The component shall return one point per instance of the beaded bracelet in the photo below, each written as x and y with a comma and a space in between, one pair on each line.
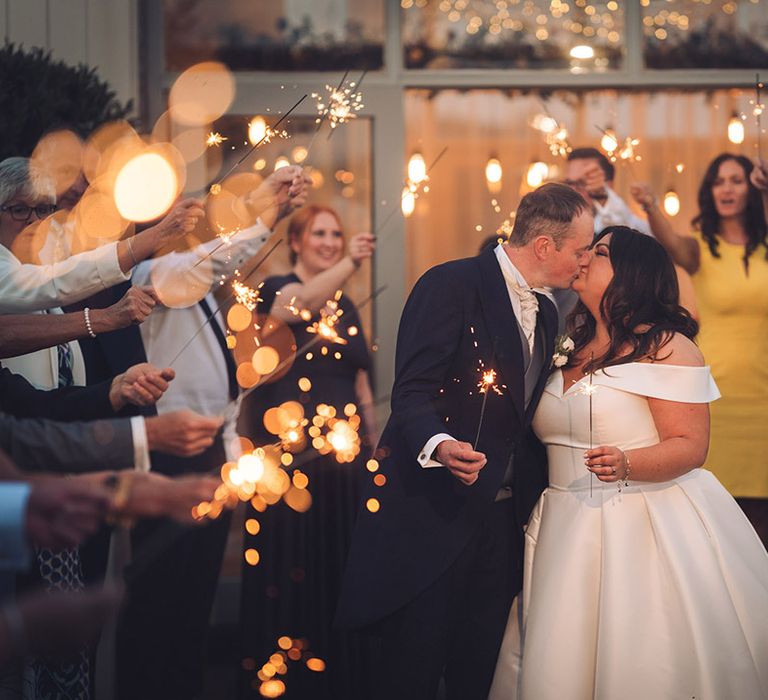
626, 473
88, 326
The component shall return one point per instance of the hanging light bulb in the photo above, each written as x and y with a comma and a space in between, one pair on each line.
408, 202
282, 162
493, 171
536, 174
417, 168
582, 52
257, 130
609, 142
671, 203
736, 129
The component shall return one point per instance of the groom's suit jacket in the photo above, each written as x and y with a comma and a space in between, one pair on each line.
458, 316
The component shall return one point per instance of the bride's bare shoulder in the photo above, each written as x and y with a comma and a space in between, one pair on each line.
679, 350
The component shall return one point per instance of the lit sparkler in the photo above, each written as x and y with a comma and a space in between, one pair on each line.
341, 104
589, 390
486, 385
325, 326
758, 112
214, 138
245, 295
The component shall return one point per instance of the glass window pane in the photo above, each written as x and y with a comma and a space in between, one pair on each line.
280, 35
679, 133
566, 34
712, 34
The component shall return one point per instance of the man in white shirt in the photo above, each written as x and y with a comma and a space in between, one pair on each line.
161, 645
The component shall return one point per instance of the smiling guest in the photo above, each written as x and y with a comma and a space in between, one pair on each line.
728, 261
294, 589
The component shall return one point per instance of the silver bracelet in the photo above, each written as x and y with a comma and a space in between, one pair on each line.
88, 326
17, 635
626, 473
130, 250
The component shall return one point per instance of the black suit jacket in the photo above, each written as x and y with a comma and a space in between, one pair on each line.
38, 445
457, 316
20, 399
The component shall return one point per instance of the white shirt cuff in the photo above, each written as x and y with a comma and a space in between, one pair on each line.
425, 456
141, 461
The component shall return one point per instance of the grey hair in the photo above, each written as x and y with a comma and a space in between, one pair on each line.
19, 177
547, 211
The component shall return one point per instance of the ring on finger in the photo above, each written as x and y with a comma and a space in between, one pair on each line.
613, 470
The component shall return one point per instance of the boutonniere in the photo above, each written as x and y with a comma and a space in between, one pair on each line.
563, 348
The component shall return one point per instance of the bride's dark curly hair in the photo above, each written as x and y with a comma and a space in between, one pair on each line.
643, 294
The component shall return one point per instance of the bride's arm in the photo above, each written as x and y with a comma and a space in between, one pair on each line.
683, 430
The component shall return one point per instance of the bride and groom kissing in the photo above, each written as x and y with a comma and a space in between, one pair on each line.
639, 575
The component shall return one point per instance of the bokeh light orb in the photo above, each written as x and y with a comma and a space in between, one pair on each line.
145, 187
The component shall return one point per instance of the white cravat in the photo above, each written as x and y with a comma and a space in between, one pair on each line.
523, 299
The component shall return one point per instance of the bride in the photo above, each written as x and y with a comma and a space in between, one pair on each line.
643, 579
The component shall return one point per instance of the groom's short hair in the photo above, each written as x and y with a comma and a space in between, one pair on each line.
547, 211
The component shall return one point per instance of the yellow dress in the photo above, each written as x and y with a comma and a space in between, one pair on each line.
733, 312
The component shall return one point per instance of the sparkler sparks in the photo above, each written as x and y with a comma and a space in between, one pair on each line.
617, 150
245, 295
214, 138
340, 105
555, 134
325, 327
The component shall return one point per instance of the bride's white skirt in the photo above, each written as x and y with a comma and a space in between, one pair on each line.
658, 592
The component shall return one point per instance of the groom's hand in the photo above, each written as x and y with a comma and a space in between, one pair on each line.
461, 460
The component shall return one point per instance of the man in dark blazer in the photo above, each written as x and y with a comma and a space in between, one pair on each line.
434, 568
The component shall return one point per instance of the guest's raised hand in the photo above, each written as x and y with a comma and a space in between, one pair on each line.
140, 385
134, 308
607, 463
461, 459
183, 433
179, 221
643, 194
593, 178
759, 175
281, 193
361, 247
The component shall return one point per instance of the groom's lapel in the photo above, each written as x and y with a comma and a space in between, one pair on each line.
502, 327
546, 323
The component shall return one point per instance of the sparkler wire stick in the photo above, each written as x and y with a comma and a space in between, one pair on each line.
228, 298
485, 397
758, 113
590, 392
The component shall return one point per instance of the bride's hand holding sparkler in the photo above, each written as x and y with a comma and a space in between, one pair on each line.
461, 460
607, 463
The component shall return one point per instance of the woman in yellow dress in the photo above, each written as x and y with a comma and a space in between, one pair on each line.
728, 261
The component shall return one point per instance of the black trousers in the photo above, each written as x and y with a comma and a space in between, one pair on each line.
170, 587
454, 628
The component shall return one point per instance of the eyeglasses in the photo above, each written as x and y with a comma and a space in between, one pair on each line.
23, 212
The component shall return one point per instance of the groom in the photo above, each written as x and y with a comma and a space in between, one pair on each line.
435, 569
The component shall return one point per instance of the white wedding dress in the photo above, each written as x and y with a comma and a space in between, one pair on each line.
658, 592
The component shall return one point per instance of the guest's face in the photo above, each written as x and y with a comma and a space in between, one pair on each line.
322, 244
562, 266
18, 214
595, 274
730, 189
